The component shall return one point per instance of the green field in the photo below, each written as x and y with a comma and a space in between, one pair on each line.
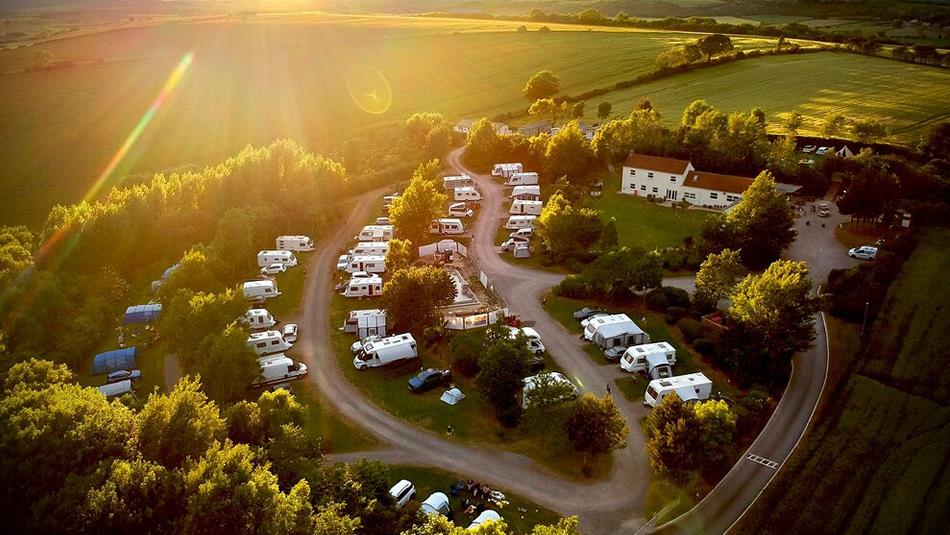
877, 460
907, 98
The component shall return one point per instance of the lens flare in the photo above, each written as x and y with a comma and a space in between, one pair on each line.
369, 89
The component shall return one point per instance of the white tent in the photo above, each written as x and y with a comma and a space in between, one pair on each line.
845, 152
452, 396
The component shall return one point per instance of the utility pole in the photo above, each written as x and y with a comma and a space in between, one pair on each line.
865, 320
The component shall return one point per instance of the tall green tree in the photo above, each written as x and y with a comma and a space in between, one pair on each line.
227, 365
793, 122
717, 277
568, 154
419, 204
595, 425
36, 374
132, 496
16, 244
482, 144
718, 424
400, 254
412, 297
642, 131
869, 131
499, 380
714, 45
674, 437
604, 109
543, 84
179, 425
565, 231
833, 125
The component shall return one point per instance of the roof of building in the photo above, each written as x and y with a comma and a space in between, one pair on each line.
717, 182
656, 163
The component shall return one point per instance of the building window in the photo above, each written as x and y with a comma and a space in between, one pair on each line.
643, 187
656, 190
649, 175
672, 179
687, 195
732, 198
713, 195
633, 172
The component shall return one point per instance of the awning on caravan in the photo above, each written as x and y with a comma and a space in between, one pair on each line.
142, 313
656, 360
687, 393
110, 361
611, 330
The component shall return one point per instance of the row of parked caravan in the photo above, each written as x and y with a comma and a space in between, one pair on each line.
526, 206
623, 341
268, 343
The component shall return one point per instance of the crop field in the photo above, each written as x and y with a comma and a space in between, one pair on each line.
877, 462
315, 78
907, 98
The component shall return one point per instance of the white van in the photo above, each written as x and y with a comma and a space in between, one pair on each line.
370, 248
522, 179
516, 222
259, 290
386, 351
522, 234
446, 226
266, 258
277, 369
519, 207
367, 263
652, 359
466, 194
294, 243
691, 387
375, 233
267, 342
364, 287
534, 339
506, 169
526, 193
457, 181
259, 318
460, 209
389, 199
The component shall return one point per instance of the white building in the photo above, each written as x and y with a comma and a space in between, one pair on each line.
677, 180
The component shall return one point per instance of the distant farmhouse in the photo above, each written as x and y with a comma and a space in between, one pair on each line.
677, 180
463, 126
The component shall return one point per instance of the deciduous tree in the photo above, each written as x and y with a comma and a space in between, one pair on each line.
400, 254
714, 45
604, 109
596, 426
419, 204
543, 84
499, 380
792, 122
568, 154
179, 425
412, 297
564, 230
717, 277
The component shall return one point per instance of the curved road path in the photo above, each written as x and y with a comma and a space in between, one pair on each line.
608, 506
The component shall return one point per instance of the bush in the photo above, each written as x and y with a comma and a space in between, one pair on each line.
670, 319
676, 296
704, 346
466, 348
574, 265
431, 335
655, 299
676, 312
573, 286
690, 328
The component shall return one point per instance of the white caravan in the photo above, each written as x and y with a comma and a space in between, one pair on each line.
259, 318
519, 207
530, 383
457, 181
260, 290
376, 248
266, 258
294, 243
364, 287
446, 226
516, 222
386, 351
691, 387
267, 342
526, 193
506, 169
367, 263
366, 323
466, 194
522, 179
276, 369
375, 233
460, 209
613, 330
652, 359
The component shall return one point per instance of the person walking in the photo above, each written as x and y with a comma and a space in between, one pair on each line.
608, 390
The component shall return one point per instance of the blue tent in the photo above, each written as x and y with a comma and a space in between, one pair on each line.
142, 313
110, 361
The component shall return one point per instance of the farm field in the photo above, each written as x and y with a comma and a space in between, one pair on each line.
877, 460
814, 85
316, 78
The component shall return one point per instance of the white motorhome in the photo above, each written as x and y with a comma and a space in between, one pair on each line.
522, 179
516, 222
266, 258
364, 287
367, 263
613, 330
457, 181
366, 323
446, 226
374, 248
506, 169
294, 243
466, 194
535, 345
375, 233
652, 359
519, 207
530, 383
526, 193
259, 318
460, 209
260, 290
691, 387
267, 342
386, 351
276, 369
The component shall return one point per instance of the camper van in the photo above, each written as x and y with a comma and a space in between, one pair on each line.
375, 233
613, 330
522, 179
516, 222
526, 193
267, 342
364, 287
469, 194
652, 359
294, 243
260, 290
367, 263
386, 351
505, 170
265, 258
519, 207
460, 209
522, 234
446, 226
534, 339
276, 369
259, 318
365, 323
691, 387
457, 181
389, 199
530, 383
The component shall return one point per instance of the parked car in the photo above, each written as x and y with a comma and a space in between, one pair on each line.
290, 332
534, 363
510, 243
823, 150
383, 221
809, 148
273, 269
122, 375
824, 210
807, 161
525, 233
865, 252
428, 379
613, 354
361, 275
402, 492
587, 312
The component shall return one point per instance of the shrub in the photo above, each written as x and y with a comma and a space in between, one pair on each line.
574, 265
655, 299
676, 296
676, 312
431, 335
466, 347
690, 328
670, 319
704, 346
573, 286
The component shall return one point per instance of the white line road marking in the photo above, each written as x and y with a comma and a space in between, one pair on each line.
762, 460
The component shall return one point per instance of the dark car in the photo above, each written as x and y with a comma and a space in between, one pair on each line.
614, 353
587, 312
428, 379
534, 363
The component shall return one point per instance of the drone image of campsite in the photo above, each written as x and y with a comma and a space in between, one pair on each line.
487, 267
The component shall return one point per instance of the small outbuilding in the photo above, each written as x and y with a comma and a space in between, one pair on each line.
142, 313
111, 361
